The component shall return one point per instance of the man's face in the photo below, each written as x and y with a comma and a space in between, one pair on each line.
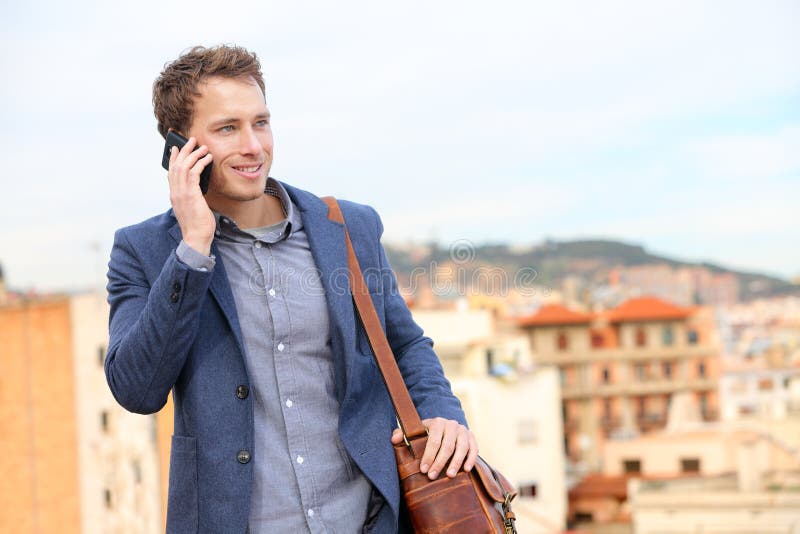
231, 118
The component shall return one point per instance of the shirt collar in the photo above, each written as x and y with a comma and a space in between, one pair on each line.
228, 229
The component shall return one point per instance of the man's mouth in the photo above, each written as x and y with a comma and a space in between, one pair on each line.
249, 172
248, 169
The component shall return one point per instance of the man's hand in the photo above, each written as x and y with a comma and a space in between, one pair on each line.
447, 440
194, 216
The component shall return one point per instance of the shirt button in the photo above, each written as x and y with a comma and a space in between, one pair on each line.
272, 292
217, 232
289, 403
242, 391
300, 460
281, 346
174, 297
310, 512
243, 456
258, 244
176, 286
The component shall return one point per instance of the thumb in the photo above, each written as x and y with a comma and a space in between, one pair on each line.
397, 436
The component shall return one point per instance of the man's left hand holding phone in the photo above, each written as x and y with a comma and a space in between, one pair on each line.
187, 163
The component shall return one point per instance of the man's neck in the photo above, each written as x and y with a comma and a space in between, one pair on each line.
263, 211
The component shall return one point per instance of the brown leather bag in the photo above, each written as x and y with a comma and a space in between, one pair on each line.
474, 502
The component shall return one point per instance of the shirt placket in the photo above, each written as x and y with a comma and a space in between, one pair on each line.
285, 371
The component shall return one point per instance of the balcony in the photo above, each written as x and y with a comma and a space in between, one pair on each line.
634, 388
651, 421
587, 355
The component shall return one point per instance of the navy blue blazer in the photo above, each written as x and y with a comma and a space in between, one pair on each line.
174, 328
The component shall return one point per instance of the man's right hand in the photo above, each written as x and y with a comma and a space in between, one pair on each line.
194, 216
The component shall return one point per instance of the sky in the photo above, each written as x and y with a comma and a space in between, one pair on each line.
674, 125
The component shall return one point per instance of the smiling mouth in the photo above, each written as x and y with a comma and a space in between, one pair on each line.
249, 169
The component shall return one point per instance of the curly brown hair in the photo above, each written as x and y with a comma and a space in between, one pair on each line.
177, 85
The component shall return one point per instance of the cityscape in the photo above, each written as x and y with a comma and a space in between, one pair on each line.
589, 207
654, 400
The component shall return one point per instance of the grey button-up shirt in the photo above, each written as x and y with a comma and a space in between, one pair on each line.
304, 479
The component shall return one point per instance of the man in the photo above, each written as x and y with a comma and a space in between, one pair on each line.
237, 301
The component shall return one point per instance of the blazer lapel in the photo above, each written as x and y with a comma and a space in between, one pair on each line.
220, 288
327, 242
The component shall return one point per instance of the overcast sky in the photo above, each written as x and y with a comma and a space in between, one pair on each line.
675, 125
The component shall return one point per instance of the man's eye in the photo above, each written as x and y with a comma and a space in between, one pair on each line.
228, 128
262, 123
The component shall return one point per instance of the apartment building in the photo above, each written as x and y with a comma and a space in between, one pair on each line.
512, 407
71, 459
619, 368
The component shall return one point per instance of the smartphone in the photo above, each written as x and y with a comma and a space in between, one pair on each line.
176, 139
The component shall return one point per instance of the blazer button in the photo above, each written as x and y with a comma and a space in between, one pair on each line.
174, 297
176, 286
243, 456
242, 391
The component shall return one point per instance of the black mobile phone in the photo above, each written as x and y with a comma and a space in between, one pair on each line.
176, 139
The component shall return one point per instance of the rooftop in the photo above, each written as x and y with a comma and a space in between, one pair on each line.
555, 314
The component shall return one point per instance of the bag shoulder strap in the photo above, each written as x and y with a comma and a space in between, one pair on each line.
407, 414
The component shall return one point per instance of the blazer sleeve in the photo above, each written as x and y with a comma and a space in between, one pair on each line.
151, 325
418, 363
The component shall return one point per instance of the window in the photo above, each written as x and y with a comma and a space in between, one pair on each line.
640, 406
562, 341
137, 471
701, 370
632, 466
668, 370
489, 360
692, 337
703, 400
107, 497
765, 384
666, 336
641, 337
690, 465
640, 371
606, 375
104, 420
607, 408
527, 490
597, 340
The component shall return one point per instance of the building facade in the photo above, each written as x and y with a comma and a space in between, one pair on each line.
619, 369
72, 459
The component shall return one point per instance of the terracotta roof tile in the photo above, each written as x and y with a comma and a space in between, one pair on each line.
647, 309
554, 314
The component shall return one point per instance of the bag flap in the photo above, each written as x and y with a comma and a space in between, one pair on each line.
495, 484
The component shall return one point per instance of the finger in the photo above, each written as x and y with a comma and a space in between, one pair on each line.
435, 433
173, 155
462, 448
472, 457
445, 450
397, 436
189, 161
188, 147
198, 167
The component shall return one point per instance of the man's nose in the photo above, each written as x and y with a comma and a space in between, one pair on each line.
249, 142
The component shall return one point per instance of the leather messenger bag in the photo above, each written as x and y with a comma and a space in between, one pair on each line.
474, 502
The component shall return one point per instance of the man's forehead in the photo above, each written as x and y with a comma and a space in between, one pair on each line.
220, 95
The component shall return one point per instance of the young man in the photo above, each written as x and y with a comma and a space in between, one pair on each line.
237, 301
